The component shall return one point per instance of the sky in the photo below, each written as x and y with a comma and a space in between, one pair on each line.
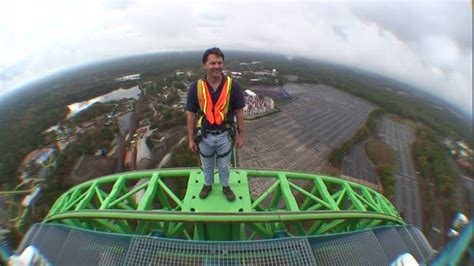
425, 43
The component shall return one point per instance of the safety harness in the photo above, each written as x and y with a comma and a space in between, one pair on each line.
217, 113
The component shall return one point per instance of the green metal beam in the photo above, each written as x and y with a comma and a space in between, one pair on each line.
265, 194
309, 195
275, 199
457, 248
325, 193
308, 201
88, 196
170, 193
15, 192
128, 194
290, 201
149, 194
340, 205
353, 197
222, 217
113, 194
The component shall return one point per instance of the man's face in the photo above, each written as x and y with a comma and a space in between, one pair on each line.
214, 66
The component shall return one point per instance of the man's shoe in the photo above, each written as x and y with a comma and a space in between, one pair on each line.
228, 193
205, 191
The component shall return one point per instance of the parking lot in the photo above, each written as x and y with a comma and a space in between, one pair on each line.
302, 135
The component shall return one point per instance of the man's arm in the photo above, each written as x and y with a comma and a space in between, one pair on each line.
239, 115
191, 122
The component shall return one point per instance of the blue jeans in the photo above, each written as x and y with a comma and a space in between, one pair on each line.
216, 145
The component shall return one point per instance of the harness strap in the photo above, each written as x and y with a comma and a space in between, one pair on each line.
232, 136
226, 153
217, 155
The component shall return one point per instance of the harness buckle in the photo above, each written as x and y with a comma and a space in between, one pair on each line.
200, 135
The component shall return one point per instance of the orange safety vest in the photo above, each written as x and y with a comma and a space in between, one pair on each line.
215, 114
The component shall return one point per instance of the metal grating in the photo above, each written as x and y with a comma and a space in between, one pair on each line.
391, 242
29, 237
354, 249
421, 241
410, 243
53, 242
63, 245
86, 248
149, 251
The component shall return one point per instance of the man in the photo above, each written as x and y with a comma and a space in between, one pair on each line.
211, 106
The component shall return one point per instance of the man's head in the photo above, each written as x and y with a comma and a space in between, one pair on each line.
215, 51
213, 62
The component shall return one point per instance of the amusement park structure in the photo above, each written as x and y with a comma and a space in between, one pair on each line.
157, 217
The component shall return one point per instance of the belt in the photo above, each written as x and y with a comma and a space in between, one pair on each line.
216, 132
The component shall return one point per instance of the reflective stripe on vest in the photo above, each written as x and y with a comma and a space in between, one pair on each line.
215, 114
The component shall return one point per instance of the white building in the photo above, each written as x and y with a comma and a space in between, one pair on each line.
251, 93
236, 74
129, 77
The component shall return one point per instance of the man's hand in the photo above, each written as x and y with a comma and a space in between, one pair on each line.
239, 141
192, 146
191, 123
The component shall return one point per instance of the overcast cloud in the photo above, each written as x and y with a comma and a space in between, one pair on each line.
425, 43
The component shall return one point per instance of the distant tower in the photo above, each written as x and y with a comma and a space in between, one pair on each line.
274, 73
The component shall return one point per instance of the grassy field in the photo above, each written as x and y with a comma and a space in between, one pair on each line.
380, 153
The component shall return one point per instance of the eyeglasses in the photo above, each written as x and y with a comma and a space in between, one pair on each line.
213, 50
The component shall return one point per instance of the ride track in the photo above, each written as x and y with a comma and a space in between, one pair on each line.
296, 204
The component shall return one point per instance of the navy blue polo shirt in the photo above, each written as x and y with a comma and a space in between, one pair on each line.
236, 101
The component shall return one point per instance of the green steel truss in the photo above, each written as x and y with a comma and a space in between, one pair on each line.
268, 204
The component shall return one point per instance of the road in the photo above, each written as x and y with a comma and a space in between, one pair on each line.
407, 197
120, 153
468, 183
355, 164
126, 122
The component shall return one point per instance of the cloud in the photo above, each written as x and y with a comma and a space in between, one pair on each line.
425, 43
411, 20
117, 4
439, 33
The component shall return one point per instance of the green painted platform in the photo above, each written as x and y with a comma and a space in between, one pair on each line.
216, 201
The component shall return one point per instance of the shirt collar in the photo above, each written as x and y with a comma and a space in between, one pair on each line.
220, 85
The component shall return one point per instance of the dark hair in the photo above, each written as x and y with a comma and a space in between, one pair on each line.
214, 51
